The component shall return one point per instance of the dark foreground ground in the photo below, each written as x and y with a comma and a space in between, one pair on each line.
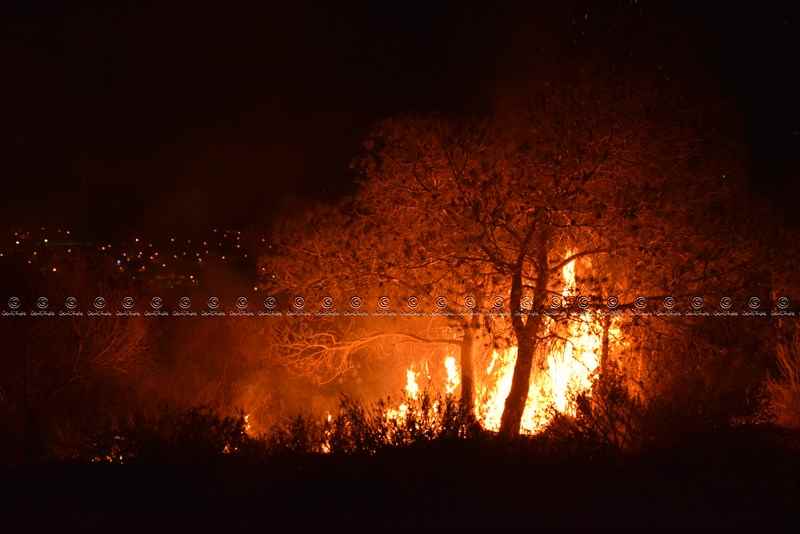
748, 477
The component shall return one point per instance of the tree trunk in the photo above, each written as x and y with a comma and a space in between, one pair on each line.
527, 332
520, 384
471, 327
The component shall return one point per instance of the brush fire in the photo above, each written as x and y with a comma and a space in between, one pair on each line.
570, 368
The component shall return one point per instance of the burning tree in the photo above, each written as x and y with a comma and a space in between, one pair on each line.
581, 170
488, 214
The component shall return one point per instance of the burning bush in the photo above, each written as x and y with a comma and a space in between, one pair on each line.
357, 428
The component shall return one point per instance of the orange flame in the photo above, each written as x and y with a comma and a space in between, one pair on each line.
570, 369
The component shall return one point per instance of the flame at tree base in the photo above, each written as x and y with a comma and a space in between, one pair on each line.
570, 369
565, 376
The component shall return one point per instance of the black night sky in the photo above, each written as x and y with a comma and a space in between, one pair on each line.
184, 116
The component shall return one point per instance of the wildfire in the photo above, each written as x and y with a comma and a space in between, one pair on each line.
569, 370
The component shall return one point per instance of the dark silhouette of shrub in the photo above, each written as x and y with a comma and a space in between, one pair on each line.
194, 435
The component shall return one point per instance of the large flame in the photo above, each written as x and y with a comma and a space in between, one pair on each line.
453, 379
412, 388
411, 392
569, 370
